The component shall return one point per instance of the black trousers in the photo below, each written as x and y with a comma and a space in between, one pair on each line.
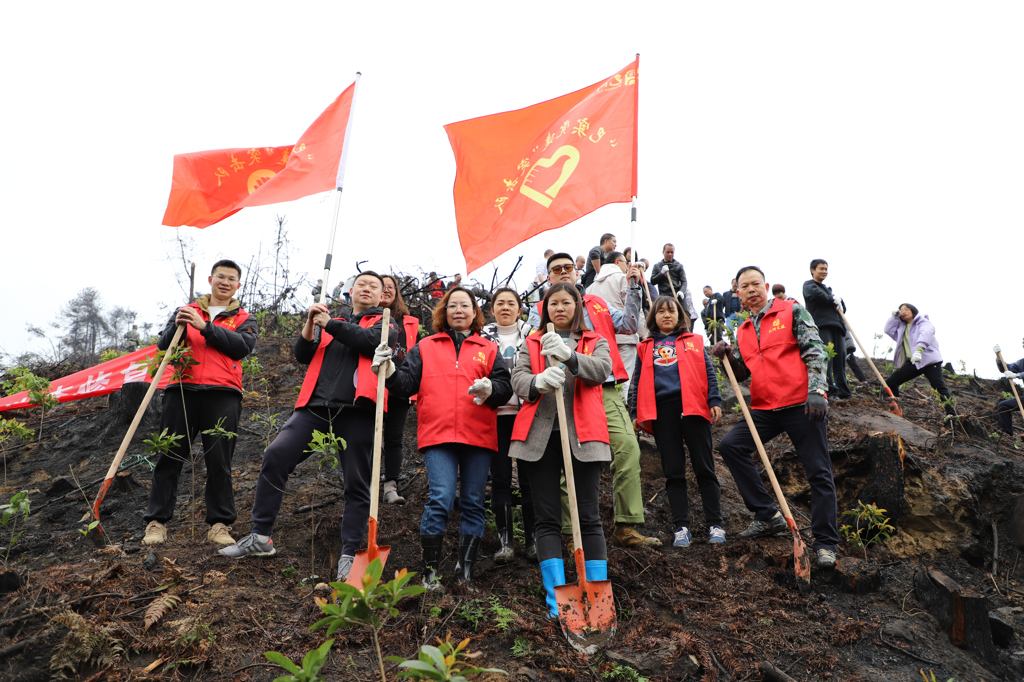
1004, 414
837, 365
674, 435
200, 410
811, 443
932, 372
501, 466
545, 481
355, 425
851, 362
394, 427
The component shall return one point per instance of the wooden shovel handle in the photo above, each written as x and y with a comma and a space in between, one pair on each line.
1013, 387
865, 353
378, 430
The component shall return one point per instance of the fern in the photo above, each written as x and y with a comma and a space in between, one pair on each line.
159, 608
84, 644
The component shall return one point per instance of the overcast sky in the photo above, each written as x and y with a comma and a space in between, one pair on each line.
883, 137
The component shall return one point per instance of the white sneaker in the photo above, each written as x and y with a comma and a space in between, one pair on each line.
682, 537
716, 535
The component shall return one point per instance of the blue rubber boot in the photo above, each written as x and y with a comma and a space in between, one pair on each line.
552, 572
597, 569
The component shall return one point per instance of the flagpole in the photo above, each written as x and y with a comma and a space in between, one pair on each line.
636, 126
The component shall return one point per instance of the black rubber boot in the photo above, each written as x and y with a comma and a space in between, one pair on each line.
503, 520
431, 545
469, 546
529, 538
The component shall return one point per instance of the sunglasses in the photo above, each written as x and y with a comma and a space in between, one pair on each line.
561, 269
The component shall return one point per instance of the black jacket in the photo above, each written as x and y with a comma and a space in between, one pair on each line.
662, 271
819, 303
714, 312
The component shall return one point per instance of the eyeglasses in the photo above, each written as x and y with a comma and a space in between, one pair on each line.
389, 288
459, 306
561, 269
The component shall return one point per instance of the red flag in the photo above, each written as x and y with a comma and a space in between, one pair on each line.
102, 379
207, 187
527, 171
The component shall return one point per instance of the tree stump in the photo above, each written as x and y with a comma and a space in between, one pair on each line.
854, 576
886, 484
962, 613
125, 403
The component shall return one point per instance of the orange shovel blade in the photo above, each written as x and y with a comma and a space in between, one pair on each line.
587, 614
801, 559
362, 560
894, 407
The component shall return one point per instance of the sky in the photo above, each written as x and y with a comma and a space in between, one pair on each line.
882, 137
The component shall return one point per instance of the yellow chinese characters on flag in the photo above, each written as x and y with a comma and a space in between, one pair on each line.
524, 172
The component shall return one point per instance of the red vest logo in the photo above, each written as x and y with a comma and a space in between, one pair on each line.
480, 357
691, 347
598, 308
228, 322
776, 326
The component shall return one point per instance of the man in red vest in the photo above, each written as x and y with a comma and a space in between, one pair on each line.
627, 498
778, 347
219, 334
338, 395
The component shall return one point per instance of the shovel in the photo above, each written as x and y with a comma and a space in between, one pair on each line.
372, 551
894, 406
105, 486
801, 560
585, 610
1013, 387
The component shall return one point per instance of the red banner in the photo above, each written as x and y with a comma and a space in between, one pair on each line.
527, 171
99, 380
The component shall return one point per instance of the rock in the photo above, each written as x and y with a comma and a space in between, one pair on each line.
880, 421
1002, 630
10, 581
60, 486
729, 398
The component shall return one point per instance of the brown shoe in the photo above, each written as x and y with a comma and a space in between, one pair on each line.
219, 534
156, 533
625, 535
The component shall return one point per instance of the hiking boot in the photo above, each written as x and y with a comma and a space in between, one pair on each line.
760, 529
682, 537
503, 522
219, 534
625, 535
826, 558
156, 533
391, 495
431, 545
250, 545
529, 532
469, 546
716, 535
345, 567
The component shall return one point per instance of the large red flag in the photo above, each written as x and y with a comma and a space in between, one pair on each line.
209, 186
527, 171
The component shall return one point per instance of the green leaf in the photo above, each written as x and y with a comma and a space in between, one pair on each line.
283, 661
425, 669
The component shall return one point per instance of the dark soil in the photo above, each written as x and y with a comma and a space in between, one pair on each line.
700, 613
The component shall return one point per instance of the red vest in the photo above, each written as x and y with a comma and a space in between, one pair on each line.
366, 380
445, 412
693, 379
597, 310
587, 400
778, 375
412, 332
214, 368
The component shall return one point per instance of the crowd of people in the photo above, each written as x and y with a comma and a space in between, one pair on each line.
617, 345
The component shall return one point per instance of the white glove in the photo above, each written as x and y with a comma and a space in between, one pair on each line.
837, 299
480, 390
1010, 375
916, 357
382, 357
1019, 382
997, 349
895, 313
552, 345
550, 379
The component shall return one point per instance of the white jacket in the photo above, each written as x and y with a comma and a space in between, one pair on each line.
611, 285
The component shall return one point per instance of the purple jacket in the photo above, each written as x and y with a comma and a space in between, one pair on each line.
922, 333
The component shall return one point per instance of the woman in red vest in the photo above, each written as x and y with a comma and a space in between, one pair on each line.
461, 382
398, 406
580, 362
675, 396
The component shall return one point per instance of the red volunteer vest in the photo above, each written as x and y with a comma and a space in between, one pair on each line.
214, 368
693, 379
597, 310
412, 330
366, 380
588, 401
778, 375
445, 412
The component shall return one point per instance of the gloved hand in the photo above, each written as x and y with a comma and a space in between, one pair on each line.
553, 346
1010, 375
895, 313
916, 357
997, 349
480, 390
816, 408
382, 357
550, 379
838, 301
721, 349
1019, 382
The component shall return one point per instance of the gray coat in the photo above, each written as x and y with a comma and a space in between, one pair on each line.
593, 369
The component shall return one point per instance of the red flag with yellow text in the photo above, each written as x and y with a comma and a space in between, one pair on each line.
207, 187
524, 172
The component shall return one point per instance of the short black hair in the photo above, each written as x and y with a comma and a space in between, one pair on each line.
816, 262
912, 308
668, 244
748, 267
369, 273
612, 257
778, 289
556, 256
225, 263
606, 236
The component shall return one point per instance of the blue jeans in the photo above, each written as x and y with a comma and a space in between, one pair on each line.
446, 463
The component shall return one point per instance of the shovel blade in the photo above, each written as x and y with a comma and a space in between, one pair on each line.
587, 614
801, 565
362, 560
895, 408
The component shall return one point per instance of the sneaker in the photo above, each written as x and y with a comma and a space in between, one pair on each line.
391, 495
716, 535
345, 567
625, 535
826, 558
683, 537
220, 534
760, 529
250, 545
156, 533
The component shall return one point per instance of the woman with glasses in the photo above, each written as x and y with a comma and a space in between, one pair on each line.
398, 406
461, 383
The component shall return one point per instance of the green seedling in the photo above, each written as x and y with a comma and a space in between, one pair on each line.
19, 506
870, 526
521, 647
504, 617
471, 612
446, 661
38, 390
311, 664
